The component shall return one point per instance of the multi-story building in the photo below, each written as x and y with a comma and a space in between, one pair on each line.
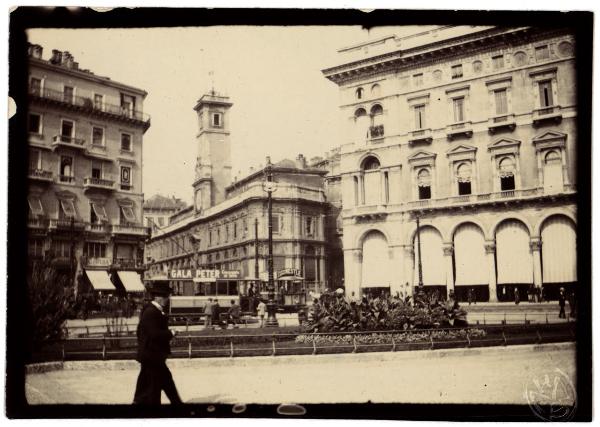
472, 131
85, 171
158, 209
227, 229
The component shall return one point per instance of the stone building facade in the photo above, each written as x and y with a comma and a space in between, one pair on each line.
472, 130
159, 209
85, 135
226, 229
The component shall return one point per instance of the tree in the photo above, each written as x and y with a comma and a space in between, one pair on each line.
51, 302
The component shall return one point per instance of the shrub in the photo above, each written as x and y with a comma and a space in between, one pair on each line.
333, 314
51, 302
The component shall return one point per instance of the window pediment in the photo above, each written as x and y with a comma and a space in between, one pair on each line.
504, 145
462, 152
422, 155
549, 140
125, 202
418, 99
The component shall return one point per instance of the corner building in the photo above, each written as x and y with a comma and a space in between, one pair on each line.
227, 227
85, 195
472, 130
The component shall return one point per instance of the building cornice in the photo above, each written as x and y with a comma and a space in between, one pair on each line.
420, 56
86, 76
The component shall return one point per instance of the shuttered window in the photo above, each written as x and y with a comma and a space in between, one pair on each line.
469, 256
434, 272
559, 251
513, 257
376, 266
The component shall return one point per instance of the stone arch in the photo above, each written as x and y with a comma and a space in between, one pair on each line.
516, 217
453, 228
359, 112
412, 232
364, 157
360, 237
559, 212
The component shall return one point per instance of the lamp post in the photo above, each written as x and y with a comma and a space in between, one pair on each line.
269, 187
420, 265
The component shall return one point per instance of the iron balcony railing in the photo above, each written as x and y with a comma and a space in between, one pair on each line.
97, 228
40, 174
37, 222
131, 229
98, 182
65, 224
66, 179
68, 140
123, 344
88, 104
376, 131
128, 263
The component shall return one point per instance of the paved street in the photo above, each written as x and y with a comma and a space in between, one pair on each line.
486, 375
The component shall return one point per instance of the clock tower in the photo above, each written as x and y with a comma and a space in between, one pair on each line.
213, 162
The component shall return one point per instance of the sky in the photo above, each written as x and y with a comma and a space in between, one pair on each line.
283, 106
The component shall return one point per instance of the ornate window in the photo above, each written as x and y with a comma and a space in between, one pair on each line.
506, 172
424, 184
359, 93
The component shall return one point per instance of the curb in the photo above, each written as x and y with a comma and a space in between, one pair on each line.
116, 365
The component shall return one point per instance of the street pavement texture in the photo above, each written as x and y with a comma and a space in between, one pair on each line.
485, 375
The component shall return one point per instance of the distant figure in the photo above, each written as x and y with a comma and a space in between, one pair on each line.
208, 313
154, 338
470, 295
504, 297
261, 309
562, 298
572, 305
233, 315
216, 313
517, 296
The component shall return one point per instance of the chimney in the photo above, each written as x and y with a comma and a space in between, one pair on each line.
56, 58
67, 59
35, 51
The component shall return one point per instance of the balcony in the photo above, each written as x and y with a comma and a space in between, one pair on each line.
459, 129
96, 261
420, 136
40, 175
65, 224
128, 264
101, 228
80, 103
547, 114
98, 184
505, 121
37, 223
369, 213
131, 229
68, 141
376, 132
66, 179
478, 199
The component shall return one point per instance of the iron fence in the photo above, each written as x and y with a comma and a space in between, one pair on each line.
310, 343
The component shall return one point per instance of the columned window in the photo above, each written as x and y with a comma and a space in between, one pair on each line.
463, 178
361, 125
372, 181
424, 184
506, 172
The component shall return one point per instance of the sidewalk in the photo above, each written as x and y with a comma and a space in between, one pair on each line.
484, 375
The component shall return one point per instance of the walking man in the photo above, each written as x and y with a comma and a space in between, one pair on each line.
561, 302
154, 338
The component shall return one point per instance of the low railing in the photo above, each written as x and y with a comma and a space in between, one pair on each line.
69, 140
376, 131
65, 223
130, 229
547, 110
125, 263
420, 135
97, 228
98, 182
307, 343
40, 174
66, 179
88, 104
37, 222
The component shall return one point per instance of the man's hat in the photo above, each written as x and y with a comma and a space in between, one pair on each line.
160, 288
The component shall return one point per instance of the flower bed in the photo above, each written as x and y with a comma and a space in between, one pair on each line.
388, 338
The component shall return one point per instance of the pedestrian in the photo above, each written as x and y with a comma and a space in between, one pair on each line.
504, 298
154, 336
517, 296
261, 309
572, 305
208, 312
561, 302
233, 315
216, 313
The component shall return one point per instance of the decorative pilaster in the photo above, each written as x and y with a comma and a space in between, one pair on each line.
535, 245
490, 249
448, 249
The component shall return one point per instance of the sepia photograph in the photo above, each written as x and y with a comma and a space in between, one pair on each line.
299, 213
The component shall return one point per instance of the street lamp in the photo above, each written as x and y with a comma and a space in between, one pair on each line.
269, 187
420, 265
